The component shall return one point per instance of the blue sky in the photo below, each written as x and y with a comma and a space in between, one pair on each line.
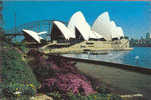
133, 16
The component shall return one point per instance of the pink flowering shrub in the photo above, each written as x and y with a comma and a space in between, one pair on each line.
58, 73
60, 64
69, 83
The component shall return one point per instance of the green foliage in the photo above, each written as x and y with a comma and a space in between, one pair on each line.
71, 96
96, 96
102, 90
17, 77
21, 46
24, 97
56, 95
24, 48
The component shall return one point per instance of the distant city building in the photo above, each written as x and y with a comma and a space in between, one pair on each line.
142, 42
142, 37
148, 35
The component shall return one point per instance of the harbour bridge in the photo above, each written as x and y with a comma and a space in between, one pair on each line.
37, 26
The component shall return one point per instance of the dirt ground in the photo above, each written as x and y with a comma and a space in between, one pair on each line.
122, 81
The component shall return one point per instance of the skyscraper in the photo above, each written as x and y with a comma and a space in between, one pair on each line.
148, 35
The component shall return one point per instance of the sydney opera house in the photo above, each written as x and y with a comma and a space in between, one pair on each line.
78, 35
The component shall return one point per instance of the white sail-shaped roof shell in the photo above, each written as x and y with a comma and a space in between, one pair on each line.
65, 31
33, 34
92, 35
102, 26
120, 32
78, 21
113, 30
116, 32
95, 35
44, 32
107, 28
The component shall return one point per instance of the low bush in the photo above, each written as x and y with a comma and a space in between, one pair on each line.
17, 77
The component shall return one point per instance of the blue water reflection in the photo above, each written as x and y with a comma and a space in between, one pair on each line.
139, 56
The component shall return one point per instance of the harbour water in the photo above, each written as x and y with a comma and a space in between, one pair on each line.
139, 56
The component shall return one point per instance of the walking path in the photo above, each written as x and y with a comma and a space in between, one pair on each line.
122, 81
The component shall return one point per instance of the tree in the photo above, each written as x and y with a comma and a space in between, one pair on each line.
1, 32
1, 22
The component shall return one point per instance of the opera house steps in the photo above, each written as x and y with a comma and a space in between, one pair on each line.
91, 47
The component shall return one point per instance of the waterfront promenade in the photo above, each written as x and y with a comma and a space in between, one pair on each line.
121, 81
